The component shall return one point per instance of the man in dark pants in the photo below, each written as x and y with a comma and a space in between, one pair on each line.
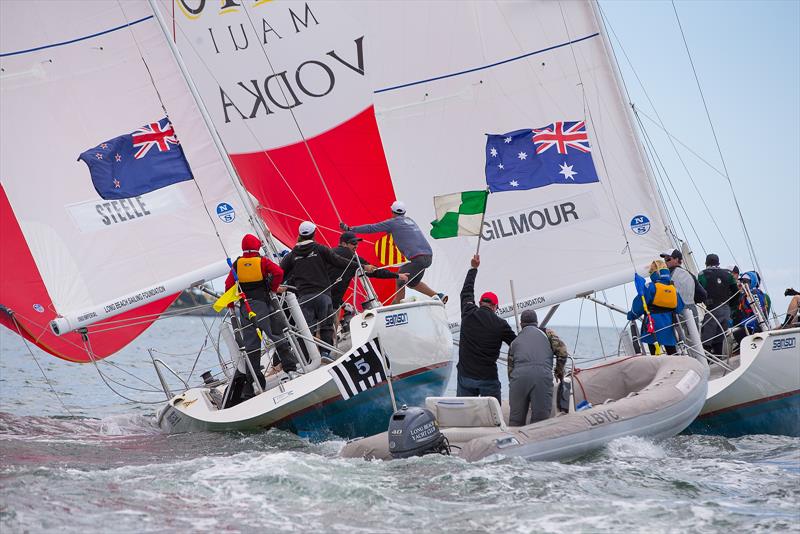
340, 278
530, 370
307, 265
720, 288
482, 334
257, 276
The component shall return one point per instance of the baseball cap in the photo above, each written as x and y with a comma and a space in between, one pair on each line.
398, 207
307, 228
674, 254
349, 237
712, 259
490, 298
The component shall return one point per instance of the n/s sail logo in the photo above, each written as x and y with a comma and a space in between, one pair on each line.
640, 224
386, 251
225, 212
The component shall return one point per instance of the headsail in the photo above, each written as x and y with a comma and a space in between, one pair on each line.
288, 85
73, 76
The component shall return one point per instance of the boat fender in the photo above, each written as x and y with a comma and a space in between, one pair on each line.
414, 431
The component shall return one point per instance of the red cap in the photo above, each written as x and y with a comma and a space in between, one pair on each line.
251, 242
489, 297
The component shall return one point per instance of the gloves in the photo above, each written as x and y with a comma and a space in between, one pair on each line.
344, 227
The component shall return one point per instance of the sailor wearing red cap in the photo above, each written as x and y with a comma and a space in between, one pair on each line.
257, 276
482, 334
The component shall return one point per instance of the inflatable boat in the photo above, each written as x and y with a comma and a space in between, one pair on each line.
652, 397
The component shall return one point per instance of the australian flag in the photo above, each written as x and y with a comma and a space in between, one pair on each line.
556, 154
136, 163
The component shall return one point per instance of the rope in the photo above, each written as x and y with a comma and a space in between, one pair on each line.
750, 248
294, 117
44, 375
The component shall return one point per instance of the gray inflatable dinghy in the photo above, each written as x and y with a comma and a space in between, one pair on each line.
652, 397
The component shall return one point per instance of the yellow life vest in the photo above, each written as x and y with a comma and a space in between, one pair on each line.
666, 296
249, 269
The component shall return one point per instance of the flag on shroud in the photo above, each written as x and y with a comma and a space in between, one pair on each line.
364, 368
230, 296
458, 214
139, 162
524, 159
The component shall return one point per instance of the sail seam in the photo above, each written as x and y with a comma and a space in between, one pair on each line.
77, 39
484, 67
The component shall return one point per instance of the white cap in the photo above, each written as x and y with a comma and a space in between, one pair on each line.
307, 228
399, 207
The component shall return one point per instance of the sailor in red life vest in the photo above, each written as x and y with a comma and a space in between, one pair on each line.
257, 277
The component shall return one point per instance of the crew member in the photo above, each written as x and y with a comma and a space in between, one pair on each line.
663, 302
750, 323
721, 289
258, 276
530, 370
307, 264
340, 278
482, 334
412, 244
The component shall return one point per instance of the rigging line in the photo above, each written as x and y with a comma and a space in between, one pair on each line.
658, 165
587, 108
294, 118
618, 75
142, 380
684, 145
261, 146
672, 143
166, 114
597, 323
44, 375
578, 333
751, 249
88, 347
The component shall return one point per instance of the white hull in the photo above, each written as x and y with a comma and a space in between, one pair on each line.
414, 337
761, 394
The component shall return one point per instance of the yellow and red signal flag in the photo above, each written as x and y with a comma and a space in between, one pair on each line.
387, 252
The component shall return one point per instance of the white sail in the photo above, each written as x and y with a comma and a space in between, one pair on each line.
496, 67
75, 82
442, 75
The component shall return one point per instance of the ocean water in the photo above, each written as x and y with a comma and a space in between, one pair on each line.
98, 463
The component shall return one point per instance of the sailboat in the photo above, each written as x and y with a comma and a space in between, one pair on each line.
318, 86
84, 275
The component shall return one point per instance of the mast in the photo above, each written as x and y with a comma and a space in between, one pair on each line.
261, 229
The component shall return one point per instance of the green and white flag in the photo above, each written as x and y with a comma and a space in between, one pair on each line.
459, 214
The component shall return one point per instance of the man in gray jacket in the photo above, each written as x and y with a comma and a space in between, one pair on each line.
411, 242
530, 370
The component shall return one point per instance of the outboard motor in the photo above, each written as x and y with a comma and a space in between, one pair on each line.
414, 432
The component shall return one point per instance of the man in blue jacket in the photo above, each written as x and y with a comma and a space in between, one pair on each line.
412, 244
663, 303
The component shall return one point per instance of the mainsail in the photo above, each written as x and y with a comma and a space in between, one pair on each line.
75, 74
350, 104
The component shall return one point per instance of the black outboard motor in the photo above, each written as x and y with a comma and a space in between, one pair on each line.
414, 432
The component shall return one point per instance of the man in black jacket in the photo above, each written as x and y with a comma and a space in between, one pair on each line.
307, 265
721, 288
340, 278
482, 334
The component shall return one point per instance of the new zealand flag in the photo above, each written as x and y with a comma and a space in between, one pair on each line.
136, 163
556, 154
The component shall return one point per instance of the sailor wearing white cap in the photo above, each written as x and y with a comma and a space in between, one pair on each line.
306, 268
411, 242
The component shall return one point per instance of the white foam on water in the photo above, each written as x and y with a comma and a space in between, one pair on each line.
635, 447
